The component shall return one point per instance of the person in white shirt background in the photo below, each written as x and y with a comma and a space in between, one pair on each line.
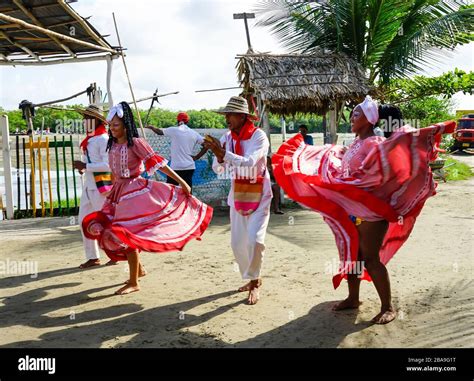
183, 141
95, 158
242, 154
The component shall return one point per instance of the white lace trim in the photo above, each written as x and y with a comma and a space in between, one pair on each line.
124, 171
137, 193
157, 166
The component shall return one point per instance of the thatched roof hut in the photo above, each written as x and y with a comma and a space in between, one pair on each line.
302, 83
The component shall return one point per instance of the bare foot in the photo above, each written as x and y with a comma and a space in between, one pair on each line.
90, 263
254, 296
127, 289
254, 291
347, 304
385, 316
245, 288
248, 286
111, 263
141, 273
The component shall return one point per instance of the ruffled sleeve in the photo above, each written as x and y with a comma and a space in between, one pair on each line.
152, 160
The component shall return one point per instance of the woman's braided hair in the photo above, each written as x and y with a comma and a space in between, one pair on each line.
130, 127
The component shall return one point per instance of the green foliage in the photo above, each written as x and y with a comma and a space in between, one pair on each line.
447, 84
197, 119
390, 38
53, 119
426, 111
457, 170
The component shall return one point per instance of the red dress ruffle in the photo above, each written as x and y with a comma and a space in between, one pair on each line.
392, 183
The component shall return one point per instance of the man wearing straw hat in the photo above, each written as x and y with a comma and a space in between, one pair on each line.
96, 174
241, 154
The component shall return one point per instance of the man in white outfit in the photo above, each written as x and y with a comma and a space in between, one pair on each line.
183, 141
242, 154
95, 158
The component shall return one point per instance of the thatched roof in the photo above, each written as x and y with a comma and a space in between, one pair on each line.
47, 31
302, 83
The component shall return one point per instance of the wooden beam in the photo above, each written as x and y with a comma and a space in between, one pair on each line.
71, 22
55, 34
56, 61
24, 48
4, 57
82, 22
8, 26
39, 39
37, 22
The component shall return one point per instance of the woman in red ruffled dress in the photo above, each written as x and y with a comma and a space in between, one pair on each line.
141, 214
370, 195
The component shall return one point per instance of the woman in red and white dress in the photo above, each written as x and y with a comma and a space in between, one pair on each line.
370, 195
141, 214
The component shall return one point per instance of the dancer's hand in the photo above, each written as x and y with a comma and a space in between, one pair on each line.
215, 146
186, 189
96, 228
79, 165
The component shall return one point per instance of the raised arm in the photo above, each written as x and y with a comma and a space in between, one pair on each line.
156, 130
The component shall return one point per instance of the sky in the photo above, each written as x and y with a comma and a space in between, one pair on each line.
172, 45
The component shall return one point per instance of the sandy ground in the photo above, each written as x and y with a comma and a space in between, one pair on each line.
188, 298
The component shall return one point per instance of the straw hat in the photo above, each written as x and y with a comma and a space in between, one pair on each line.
92, 111
237, 105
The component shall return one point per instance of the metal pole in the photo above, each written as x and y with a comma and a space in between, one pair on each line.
245, 16
247, 31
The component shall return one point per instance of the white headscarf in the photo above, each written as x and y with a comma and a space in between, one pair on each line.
116, 110
370, 109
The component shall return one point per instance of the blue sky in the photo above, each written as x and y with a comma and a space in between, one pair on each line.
179, 45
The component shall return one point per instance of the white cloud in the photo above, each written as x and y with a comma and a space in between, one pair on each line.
175, 45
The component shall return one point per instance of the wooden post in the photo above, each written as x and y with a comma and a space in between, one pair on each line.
7, 165
110, 63
283, 129
333, 124
266, 128
29, 120
40, 170
50, 188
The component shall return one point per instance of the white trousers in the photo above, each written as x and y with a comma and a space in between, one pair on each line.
91, 201
247, 240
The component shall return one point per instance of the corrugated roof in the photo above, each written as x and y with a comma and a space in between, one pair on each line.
20, 43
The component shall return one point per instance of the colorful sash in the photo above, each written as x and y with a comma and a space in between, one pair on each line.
247, 192
103, 180
247, 195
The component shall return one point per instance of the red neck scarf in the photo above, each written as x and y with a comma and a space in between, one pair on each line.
246, 133
98, 131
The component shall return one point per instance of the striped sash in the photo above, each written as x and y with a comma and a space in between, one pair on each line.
247, 195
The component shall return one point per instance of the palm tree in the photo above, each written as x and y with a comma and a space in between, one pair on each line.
389, 38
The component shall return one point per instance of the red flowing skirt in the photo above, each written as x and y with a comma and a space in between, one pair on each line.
393, 183
146, 215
